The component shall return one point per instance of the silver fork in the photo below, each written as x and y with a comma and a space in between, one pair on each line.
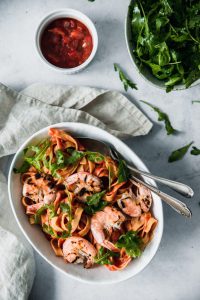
177, 205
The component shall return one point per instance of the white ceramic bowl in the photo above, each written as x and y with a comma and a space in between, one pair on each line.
66, 13
34, 234
145, 72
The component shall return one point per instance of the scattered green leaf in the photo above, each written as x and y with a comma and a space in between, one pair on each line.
39, 212
179, 153
131, 242
95, 203
126, 82
103, 256
162, 117
23, 169
195, 151
95, 157
48, 230
195, 101
123, 171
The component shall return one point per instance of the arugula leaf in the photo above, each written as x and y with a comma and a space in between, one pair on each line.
60, 158
95, 157
162, 117
95, 203
179, 153
39, 212
95, 198
103, 255
67, 208
123, 171
36, 158
195, 101
195, 151
52, 211
126, 82
74, 158
23, 169
49, 230
131, 242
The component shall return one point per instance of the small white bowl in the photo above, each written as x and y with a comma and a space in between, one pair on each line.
66, 13
145, 72
37, 239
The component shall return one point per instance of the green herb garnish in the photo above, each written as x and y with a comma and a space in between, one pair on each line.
95, 157
103, 255
95, 203
23, 169
162, 117
126, 82
39, 212
179, 153
195, 101
67, 208
49, 230
131, 242
195, 151
123, 171
166, 41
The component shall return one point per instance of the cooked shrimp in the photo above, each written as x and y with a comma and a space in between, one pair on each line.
79, 250
133, 204
128, 204
39, 188
83, 184
107, 219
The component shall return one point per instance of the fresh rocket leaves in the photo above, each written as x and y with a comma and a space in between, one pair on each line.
95, 203
126, 82
95, 157
67, 208
179, 153
123, 171
38, 154
195, 151
48, 230
165, 37
39, 212
195, 101
162, 117
23, 168
131, 242
103, 256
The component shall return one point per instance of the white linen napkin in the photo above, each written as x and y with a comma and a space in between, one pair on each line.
21, 115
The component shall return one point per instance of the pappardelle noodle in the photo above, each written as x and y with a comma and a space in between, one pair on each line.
85, 203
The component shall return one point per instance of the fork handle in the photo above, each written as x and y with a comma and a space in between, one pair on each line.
179, 187
176, 204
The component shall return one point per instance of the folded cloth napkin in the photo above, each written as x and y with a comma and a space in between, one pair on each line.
21, 115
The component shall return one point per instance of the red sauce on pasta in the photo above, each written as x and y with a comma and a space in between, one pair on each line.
66, 43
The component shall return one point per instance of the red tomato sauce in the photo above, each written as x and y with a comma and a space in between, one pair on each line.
66, 43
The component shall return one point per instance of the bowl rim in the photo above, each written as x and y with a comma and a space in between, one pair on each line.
160, 84
85, 280
66, 12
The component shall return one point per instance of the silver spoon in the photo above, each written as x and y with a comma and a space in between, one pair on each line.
176, 204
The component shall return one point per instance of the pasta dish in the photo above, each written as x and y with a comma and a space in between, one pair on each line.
86, 204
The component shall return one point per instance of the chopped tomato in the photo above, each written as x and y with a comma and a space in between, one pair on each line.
66, 43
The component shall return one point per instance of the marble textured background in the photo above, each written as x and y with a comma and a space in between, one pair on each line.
174, 274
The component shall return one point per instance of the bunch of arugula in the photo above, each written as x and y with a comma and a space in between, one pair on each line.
165, 35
